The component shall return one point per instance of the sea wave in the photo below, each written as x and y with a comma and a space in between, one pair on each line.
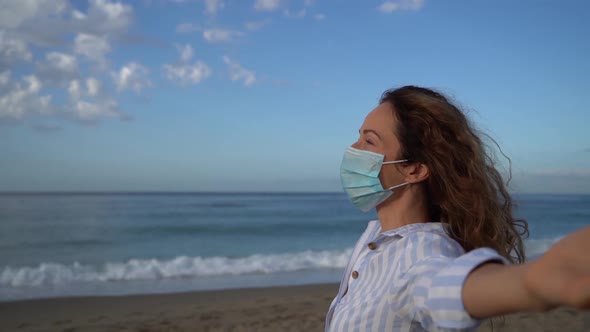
179, 267
51, 273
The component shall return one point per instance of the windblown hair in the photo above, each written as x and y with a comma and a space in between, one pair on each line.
464, 188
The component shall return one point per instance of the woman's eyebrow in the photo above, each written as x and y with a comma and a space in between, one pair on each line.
370, 131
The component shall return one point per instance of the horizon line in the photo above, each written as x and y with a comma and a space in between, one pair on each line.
219, 192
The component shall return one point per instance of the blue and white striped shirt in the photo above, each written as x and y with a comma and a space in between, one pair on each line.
406, 279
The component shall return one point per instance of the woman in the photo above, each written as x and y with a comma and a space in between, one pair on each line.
439, 257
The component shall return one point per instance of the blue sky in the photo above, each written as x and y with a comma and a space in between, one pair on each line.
264, 95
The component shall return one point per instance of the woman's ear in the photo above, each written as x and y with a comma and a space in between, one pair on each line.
416, 172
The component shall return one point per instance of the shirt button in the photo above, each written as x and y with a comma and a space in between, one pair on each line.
355, 274
372, 246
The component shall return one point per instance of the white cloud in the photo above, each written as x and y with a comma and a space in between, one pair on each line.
185, 72
188, 74
267, 5
213, 6
22, 99
253, 26
187, 27
74, 90
58, 69
308, 2
112, 10
12, 50
34, 83
23, 18
16, 12
78, 15
92, 112
388, 7
391, 6
86, 101
238, 73
186, 52
132, 76
298, 14
49, 23
319, 17
62, 62
93, 86
109, 16
89, 105
4, 78
93, 47
220, 35
48, 27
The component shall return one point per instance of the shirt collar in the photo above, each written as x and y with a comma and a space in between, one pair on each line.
408, 229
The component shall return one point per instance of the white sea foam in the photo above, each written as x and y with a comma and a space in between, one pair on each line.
179, 267
193, 267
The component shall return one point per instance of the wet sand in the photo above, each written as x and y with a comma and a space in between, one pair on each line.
297, 308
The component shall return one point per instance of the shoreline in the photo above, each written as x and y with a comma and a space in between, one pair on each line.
290, 308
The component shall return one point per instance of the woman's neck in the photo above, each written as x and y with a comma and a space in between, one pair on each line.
404, 207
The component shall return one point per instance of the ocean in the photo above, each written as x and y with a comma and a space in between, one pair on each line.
72, 244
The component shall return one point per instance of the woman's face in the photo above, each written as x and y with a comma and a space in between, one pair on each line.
377, 134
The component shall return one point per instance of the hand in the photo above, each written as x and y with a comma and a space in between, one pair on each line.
562, 275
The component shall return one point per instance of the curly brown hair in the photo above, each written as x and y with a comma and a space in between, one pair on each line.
464, 189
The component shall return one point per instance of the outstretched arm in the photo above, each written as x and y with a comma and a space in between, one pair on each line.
560, 277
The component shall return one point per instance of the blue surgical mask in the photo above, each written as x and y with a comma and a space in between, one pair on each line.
359, 174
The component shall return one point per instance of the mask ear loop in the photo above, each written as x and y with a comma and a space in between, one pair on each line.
397, 186
396, 162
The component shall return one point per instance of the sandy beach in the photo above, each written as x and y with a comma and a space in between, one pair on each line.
298, 308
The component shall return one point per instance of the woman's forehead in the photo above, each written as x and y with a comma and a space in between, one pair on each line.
380, 119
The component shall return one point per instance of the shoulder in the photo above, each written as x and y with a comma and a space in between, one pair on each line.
434, 251
426, 246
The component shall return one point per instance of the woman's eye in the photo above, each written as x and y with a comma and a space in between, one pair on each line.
368, 141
